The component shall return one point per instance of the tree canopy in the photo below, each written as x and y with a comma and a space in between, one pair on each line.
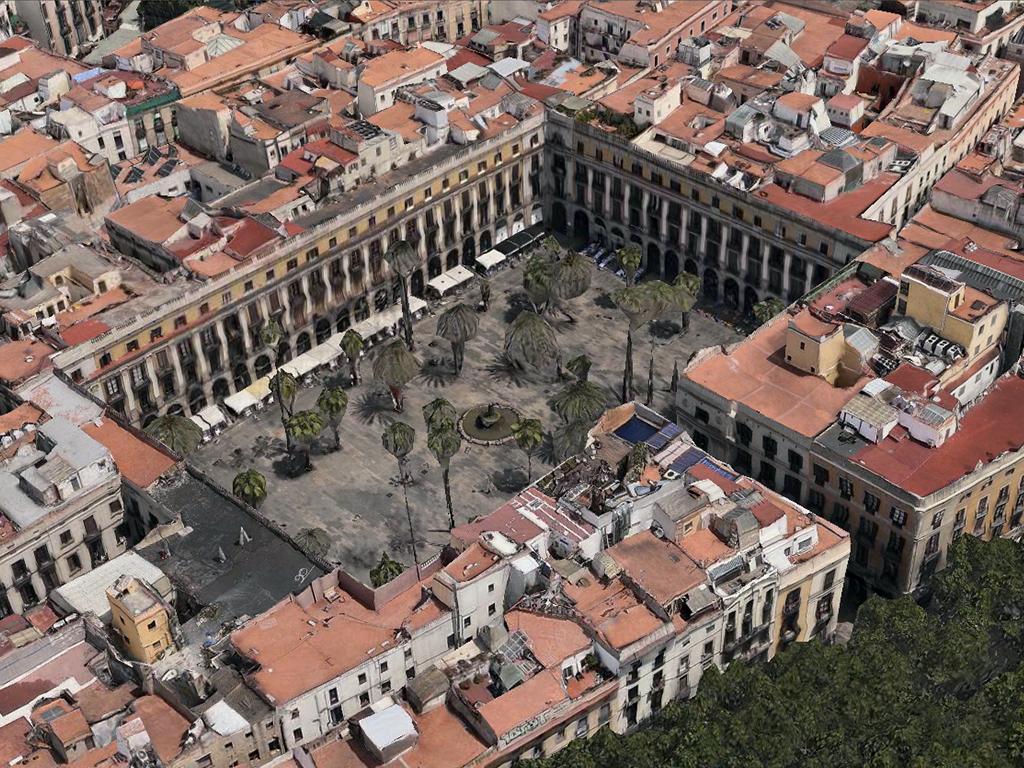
935, 686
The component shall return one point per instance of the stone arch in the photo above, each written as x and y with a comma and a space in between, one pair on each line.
149, 418
731, 292
196, 400
691, 267
558, 218
434, 266
322, 328
537, 214
469, 252
653, 265
221, 389
485, 241
618, 239
581, 225
284, 352
452, 260
262, 366
241, 377
362, 309
416, 284
176, 410
671, 270
749, 300
303, 343
710, 284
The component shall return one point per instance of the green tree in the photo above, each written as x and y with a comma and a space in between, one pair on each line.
485, 294
767, 309
250, 486
395, 366
569, 439
529, 435
635, 303
579, 367
386, 570
179, 433
579, 402
270, 336
352, 346
439, 413
333, 403
571, 279
530, 342
630, 257
458, 325
398, 439
304, 427
402, 259
444, 442
316, 541
285, 388
538, 277
688, 289
153, 13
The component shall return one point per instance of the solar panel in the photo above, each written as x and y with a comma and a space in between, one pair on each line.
717, 469
687, 460
134, 176
172, 151
152, 156
115, 171
167, 168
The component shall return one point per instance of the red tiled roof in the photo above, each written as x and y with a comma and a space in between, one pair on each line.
136, 459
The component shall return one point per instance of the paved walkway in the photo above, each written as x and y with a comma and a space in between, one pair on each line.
353, 494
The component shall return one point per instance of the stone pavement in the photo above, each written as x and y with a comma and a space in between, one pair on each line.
353, 494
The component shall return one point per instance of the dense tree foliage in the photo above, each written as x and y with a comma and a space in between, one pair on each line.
935, 686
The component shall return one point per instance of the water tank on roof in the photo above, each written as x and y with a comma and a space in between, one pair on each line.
498, 543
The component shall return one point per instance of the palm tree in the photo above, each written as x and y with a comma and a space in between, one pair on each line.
403, 260
635, 304
530, 342
458, 325
767, 309
386, 570
688, 288
538, 278
485, 294
352, 345
630, 257
580, 402
178, 433
316, 541
333, 402
270, 335
395, 366
528, 434
285, 388
571, 280
250, 486
444, 442
398, 440
579, 367
305, 427
569, 440
439, 412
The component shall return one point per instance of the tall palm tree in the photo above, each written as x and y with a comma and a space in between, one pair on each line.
395, 366
305, 427
398, 440
530, 342
579, 367
352, 345
333, 402
439, 412
458, 325
635, 303
688, 288
579, 402
538, 278
402, 259
250, 486
630, 257
270, 335
179, 433
570, 439
528, 434
572, 278
285, 387
385, 570
767, 309
444, 442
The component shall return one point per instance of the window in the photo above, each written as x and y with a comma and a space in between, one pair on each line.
490, 588
466, 622
269, 275
871, 502
248, 286
362, 678
898, 516
845, 488
292, 264
936, 520
771, 447
155, 334
492, 609
179, 321
65, 538
385, 687
701, 415
820, 474
297, 734
74, 563
133, 345
840, 513
830, 579
364, 699
383, 667
796, 461
204, 308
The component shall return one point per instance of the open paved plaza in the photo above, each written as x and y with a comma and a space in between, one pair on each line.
353, 494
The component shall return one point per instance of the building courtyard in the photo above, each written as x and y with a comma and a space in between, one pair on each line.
353, 498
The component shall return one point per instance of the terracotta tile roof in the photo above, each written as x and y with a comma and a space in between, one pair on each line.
613, 611
989, 429
136, 459
24, 413
755, 374
23, 146
527, 700
506, 520
660, 567
166, 728
847, 47
22, 359
472, 563
552, 640
705, 547
396, 65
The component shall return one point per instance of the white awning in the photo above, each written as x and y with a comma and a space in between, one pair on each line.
259, 389
200, 423
213, 416
450, 280
324, 353
239, 402
490, 259
389, 317
301, 365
